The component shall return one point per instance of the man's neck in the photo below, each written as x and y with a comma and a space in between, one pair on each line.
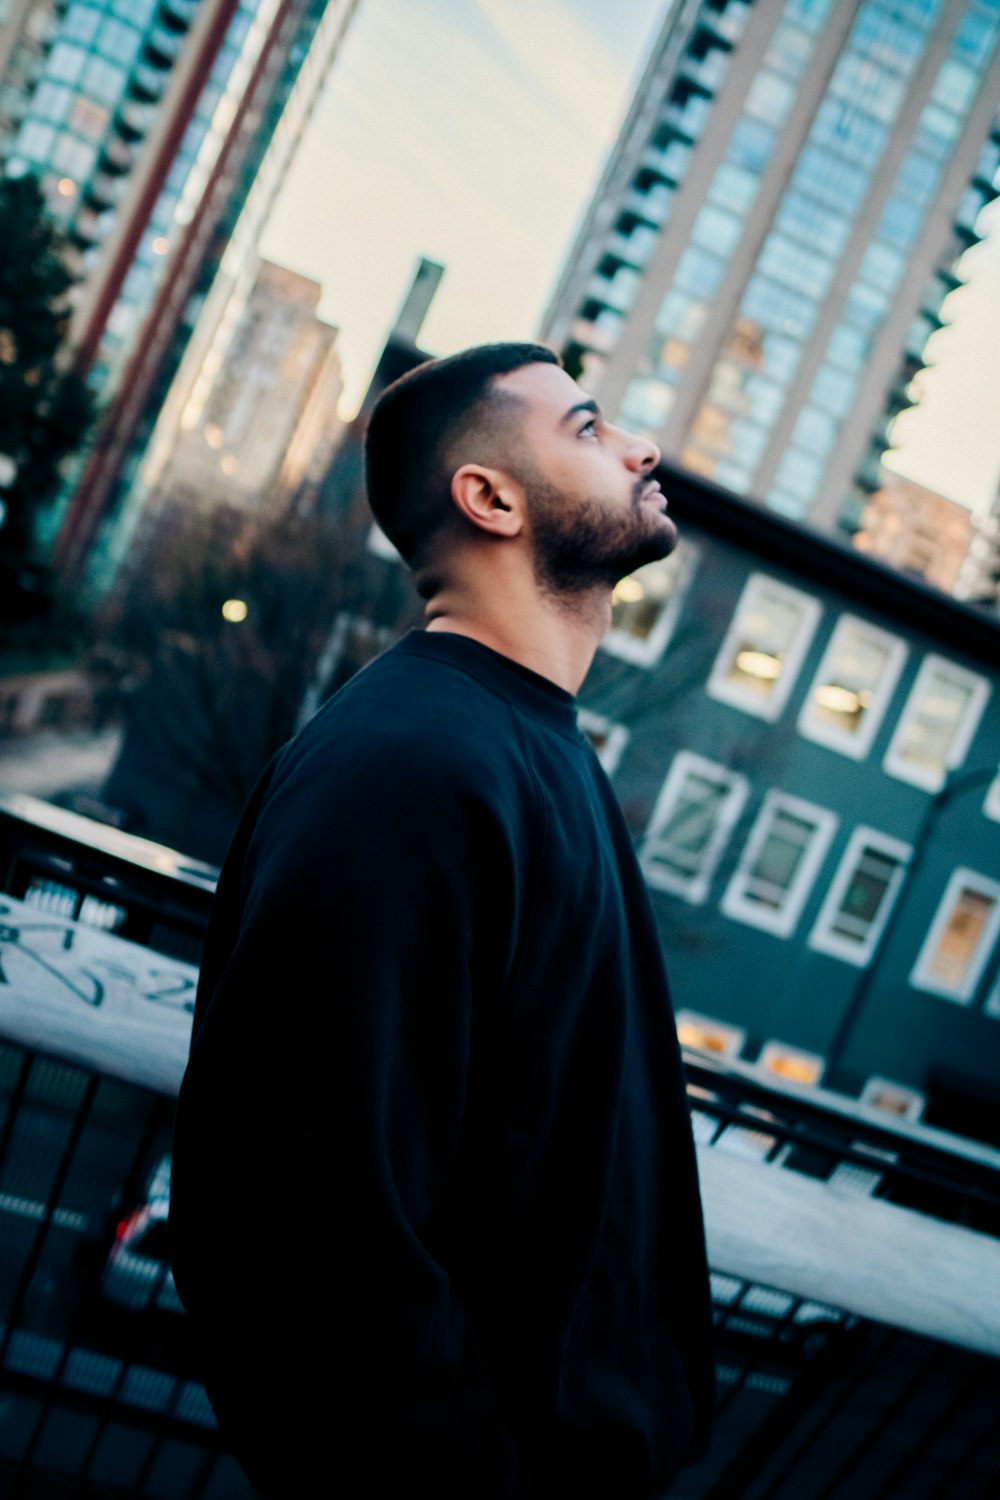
554, 638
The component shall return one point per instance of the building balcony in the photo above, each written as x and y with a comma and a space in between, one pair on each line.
105, 189
117, 155
147, 83
163, 47
178, 13
853, 1255
134, 119
652, 207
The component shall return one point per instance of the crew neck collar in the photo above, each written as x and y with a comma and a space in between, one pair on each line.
530, 690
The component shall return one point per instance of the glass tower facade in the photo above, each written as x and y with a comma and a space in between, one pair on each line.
779, 221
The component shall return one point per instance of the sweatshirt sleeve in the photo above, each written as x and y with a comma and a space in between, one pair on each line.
320, 1128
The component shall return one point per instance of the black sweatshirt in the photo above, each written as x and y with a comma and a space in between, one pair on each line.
436, 1213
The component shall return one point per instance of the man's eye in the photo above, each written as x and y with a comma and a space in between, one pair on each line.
589, 427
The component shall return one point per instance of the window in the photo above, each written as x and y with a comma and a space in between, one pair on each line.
716, 229
764, 647
858, 903
646, 403
698, 272
958, 944
799, 474
789, 1062
852, 687
781, 859
770, 98
646, 604
693, 817
709, 1035
733, 188
892, 1099
607, 739
937, 724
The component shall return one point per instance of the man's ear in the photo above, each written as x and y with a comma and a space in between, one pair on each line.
488, 499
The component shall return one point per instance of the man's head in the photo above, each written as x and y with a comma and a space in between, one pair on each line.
499, 444
426, 425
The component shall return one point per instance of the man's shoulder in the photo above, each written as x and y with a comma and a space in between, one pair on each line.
406, 697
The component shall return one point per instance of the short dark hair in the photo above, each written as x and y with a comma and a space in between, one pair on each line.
416, 422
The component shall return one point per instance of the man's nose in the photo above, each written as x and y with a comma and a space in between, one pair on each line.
642, 453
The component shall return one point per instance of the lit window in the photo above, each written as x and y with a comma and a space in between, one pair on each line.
608, 740
858, 903
764, 647
646, 404
789, 1062
646, 604
852, 687
708, 1035
937, 724
892, 1099
781, 859
694, 814
958, 944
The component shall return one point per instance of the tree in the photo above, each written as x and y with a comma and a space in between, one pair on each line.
45, 407
227, 629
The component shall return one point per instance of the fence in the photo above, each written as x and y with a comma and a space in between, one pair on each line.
855, 1260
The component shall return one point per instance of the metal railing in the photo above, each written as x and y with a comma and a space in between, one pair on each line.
844, 1370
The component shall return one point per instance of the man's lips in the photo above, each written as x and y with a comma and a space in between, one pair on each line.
652, 491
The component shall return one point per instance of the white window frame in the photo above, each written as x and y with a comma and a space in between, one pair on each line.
719, 686
933, 781
920, 977
731, 1038
991, 807
617, 737
823, 938
856, 745
783, 921
914, 1100
992, 1006
693, 888
648, 652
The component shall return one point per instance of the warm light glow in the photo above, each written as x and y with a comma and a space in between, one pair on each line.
696, 1036
235, 610
628, 591
66, 186
759, 664
213, 435
863, 541
838, 700
160, 245
788, 1065
228, 464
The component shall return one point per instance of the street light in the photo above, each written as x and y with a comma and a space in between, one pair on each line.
235, 611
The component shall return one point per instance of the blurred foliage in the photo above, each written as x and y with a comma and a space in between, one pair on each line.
45, 407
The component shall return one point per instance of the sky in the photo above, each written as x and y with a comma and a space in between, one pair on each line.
473, 132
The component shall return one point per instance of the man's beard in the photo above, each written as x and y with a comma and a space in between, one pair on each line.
579, 545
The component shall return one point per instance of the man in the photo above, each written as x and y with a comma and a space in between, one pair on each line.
436, 1212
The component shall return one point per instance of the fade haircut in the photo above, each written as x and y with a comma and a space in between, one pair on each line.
418, 428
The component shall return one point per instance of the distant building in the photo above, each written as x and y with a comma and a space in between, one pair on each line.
27, 31
156, 126
778, 222
263, 415
979, 576
917, 531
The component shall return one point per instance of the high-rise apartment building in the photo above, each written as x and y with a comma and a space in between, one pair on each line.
150, 124
776, 230
267, 418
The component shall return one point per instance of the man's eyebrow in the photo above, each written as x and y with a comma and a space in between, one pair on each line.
574, 411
